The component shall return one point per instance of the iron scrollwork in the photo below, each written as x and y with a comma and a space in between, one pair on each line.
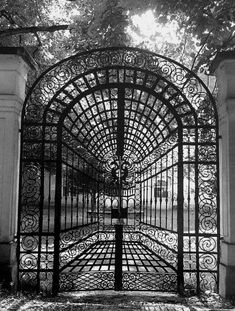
69, 171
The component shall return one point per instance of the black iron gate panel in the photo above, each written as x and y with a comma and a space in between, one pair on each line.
119, 171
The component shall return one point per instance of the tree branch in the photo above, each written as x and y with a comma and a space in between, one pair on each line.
8, 16
24, 30
201, 48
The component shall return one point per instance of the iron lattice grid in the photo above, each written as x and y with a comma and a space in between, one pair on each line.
78, 118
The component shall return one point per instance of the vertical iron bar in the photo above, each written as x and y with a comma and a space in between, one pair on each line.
83, 202
155, 193
160, 198
140, 199
118, 257
127, 207
120, 143
134, 207
49, 202
72, 191
147, 196
189, 184
120, 122
166, 194
151, 194
87, 205
218, 203
144, 205
77, 193
197, 207
172, 190
67, 190
120, 188
41, 205
19, 208
57, 224
98, 204
180, 214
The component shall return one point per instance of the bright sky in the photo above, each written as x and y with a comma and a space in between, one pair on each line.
151, 32
58, 12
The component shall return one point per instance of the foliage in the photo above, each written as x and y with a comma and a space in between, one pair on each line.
70, 26
212, 22
52, 30
205, 27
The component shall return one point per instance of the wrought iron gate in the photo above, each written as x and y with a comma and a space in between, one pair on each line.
119, 176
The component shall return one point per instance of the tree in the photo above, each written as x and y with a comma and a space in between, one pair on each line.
205, 27
52, 30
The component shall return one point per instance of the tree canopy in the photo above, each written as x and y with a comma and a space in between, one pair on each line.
54, 29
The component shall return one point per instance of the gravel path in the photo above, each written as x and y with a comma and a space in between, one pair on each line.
114, 301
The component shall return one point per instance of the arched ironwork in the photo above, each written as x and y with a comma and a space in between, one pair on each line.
119, 169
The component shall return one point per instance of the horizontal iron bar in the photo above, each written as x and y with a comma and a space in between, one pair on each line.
79, 227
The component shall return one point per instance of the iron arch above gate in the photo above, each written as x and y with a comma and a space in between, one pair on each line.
119, 171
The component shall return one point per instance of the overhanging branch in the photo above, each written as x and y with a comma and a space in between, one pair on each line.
33, 30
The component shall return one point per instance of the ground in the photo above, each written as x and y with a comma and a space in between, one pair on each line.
114, 301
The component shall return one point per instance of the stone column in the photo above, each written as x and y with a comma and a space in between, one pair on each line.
224, 66
14, 66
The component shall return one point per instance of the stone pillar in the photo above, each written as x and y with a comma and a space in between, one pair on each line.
14, 66
224, 66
